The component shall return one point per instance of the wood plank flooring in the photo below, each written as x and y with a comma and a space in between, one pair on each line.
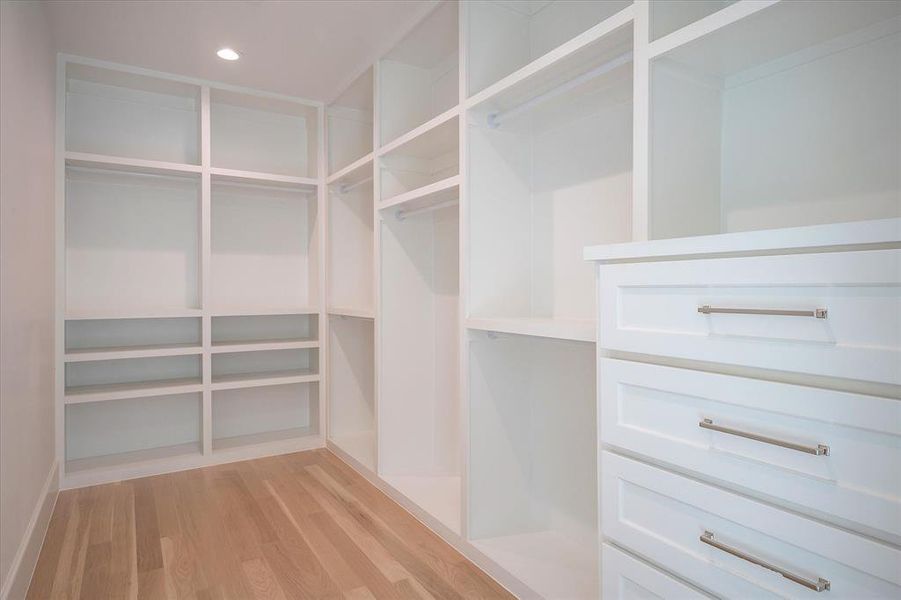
301, 525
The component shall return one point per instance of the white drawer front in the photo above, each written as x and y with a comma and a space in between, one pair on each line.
663, 516
627, 578
652, 308
659, 411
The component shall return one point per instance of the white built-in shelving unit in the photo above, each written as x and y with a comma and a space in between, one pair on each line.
190, 273
506, 137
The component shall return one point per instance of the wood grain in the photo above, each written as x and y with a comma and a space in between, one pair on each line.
287, 527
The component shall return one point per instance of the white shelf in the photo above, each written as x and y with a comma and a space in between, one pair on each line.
552, 565
353, 172
150, 313
254, 311
439, 496
141, 389
251, 380
135, 459
435, 193
359, 446
358, 313
89, 354
132, 165
271, 179
422, 130
608, 37
582, 330
265, 438
260, 345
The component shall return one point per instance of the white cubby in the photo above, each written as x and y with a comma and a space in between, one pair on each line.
99, 379
264, 332
248, 417
92, 339
532, 487
351, 368
798, 127
419, 400
262, 134
350, 243
131, 241
549, 172
107, 434
667, 16
349, 124
419, 77
263, 367
506, 36
264, 248
122, 114
422, 169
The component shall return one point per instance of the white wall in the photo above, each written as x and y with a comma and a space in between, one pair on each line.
27, 114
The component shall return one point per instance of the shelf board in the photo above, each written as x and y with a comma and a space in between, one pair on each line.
360, 446
439, 496
256, 178
417, 132
353, 172
131, 165
156, 313
113, 353
358, 313
134, 458
561, 63
581, 330
258, 345
250, 380
124, 391
549, 563
267, 437
249, 311
428, 195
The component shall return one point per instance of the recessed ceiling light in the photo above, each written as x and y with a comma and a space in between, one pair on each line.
228, 54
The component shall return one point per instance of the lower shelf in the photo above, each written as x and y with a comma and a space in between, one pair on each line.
249, 380
549, 563
440, 496
134, 458
359, 446
580, 330
267, 437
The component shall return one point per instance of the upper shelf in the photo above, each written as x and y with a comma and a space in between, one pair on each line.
728, 41
607, 41
349, 124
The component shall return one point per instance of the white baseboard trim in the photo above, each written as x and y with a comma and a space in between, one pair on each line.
19, 577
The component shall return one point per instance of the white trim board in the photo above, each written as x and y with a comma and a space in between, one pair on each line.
18, 579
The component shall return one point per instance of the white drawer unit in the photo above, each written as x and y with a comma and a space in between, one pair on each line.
628, 578
832, 454
836, 314
736, 547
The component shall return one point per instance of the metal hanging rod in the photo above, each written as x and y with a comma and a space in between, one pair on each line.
402, 214
346, 187
495, 118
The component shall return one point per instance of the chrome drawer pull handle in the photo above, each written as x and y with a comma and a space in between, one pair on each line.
818, 450
819, 313
818, 586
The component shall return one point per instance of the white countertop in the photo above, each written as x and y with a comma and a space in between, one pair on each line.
789, 239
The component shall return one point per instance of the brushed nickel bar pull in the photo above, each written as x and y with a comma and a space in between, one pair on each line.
818, 586
818, 450
819, 313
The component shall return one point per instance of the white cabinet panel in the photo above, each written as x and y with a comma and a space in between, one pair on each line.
661, 412
664, 517
653, 308
627, 578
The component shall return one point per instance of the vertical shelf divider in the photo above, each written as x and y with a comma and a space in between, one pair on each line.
205, 266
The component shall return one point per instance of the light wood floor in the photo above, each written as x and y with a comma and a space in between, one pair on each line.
296, 526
